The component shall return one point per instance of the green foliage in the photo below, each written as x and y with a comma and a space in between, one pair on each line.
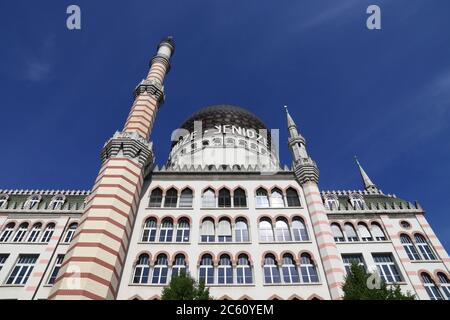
356, 287
184, 287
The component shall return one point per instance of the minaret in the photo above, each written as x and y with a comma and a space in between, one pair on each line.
368, 184
307, 175
93, 264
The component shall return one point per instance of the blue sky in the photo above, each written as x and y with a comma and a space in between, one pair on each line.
383, 95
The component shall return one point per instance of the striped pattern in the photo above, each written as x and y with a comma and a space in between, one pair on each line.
331, 260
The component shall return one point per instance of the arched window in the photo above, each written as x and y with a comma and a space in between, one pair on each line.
20, 234
445, 284
276, 198
377, 232
209, 198
149, 232
179, 265
350, 232
332, 203
208, 232
409, 247
292, 198
34, 233
7, 232
57, 202
271, 271
424, 248
241, 230
290, 272
186, 198
3, 201
171, 198
239, 198
262, 199
243, 270
142, 269
32, 202
155, 198
299, 229
224, 198
225, 270
265, 230
224, 230
337, 233
357, 202
430, 287
206, 271
48, 233
70, 232
166, 232
183, 231
282, 233
160, 270
308, 269
364, 232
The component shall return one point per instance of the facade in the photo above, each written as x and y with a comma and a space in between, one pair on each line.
222, 209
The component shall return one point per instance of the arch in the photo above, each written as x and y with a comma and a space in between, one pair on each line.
266, 217
314, 297
245, 297
140, 253
186, 217
225, 297
249, 257
176, 253
275, 297
157, 254
203, 253
186, 198
232, 260
154, 297
209, 187
171, 197
292, 197
270, 252
294, 297
285, 252
151, 216
364, 232
135, 297
156, 197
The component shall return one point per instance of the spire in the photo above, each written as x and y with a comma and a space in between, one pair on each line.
368, 184
290, 121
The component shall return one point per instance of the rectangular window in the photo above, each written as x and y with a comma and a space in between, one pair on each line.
3, 258
56, 267
22, 269
225, 275
352, 258
387, 268
206, 275
244, 274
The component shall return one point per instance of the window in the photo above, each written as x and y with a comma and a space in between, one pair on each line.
142, 269
166, 232
350, 232
357, 202
387, 267
34, 233
57, 202
155, 198
243, 270
292, 198
225, 271
241, 230
186, 198
332, 203
20, 234
3, 258
290, 272
424, 248
348, 259
56, 267
230, 142
265, 230
209, 198
299, 229
206, 271
22, 269
3, 201
405, 224
276, 198
224, 230
262, 199
271, 271
179, 265
7, 232
308, 269
431, 288
32, 202
160, 270
377, 232
444, 282
217, 141
409, 247
171, 198
337, 233
183, 231
224, 198
282, 233
364, 232
48, 233
208, 232
70, 233
149, 232
239, 198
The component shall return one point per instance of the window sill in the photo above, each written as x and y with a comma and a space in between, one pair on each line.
13, 285
284, 242
148, 284
276, 208
27, 243
216, 242
220, 285
224, 208
169, 208
363, 242
291, 284
158, 242
426, 261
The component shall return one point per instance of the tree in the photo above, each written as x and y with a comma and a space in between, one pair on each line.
360, 285
184, 287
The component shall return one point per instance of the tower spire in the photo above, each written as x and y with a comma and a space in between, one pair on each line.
368, 184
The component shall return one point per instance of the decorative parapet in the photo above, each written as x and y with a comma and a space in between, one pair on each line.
152, 87
214, 168
131, 145
29, 192
305, 169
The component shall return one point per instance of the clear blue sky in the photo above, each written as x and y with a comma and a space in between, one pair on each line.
383, 95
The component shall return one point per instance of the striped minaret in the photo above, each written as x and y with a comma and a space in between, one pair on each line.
93, 265
307, 174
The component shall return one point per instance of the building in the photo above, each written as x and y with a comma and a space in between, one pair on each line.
221, 208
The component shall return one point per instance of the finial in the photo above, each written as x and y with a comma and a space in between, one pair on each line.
285, 107
368, 184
